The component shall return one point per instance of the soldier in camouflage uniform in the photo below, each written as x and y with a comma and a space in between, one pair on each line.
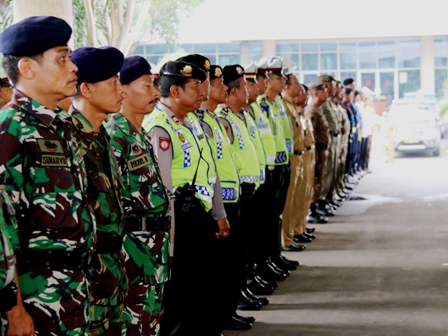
8, 243
45, 180
145, 201
100, 93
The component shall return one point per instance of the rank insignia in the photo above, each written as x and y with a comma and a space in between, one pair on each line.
218, 72
187, 71
164, 143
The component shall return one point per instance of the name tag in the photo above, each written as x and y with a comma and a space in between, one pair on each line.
54, 160
138, 162
197, 130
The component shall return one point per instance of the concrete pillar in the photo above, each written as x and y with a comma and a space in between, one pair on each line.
245, 53
427, 75
268, 48
59, 8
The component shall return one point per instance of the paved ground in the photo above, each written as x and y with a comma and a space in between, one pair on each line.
379, 268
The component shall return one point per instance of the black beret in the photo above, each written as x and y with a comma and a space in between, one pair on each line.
134, 67
215, 72
232, 72
183, 69
200, 61
34, 35
97, 64
348, 81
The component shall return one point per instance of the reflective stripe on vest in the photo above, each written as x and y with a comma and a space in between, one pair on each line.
265, 131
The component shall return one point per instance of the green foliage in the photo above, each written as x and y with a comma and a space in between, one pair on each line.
6, 11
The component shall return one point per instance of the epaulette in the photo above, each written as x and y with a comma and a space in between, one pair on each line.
199, 114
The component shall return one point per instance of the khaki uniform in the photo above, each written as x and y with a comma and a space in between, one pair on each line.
322, 138
345, 134
290, 214
331, 114
305, 189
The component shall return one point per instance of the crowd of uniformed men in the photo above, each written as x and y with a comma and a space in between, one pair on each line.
158, 204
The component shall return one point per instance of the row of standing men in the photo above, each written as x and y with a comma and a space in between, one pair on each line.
123, 217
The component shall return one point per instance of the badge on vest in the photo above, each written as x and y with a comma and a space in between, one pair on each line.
138, 162
184, 143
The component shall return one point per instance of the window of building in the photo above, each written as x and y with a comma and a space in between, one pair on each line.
409, 81
310, 62
386, 59
309, 79
408, 58
328, 61
228, 59
309, 46
440, 64
256, 50
348, 74
347, 60
367, 60
286, 48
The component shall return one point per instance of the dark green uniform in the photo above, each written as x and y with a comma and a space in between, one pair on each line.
145, 201
44, 177
108, 278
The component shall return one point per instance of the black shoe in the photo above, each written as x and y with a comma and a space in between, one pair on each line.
263, 301
265, 282
235, 323
247, 319
248, 305
259, 289
271, 275
310, 230
309, 235
302, 239
293, 248
285, 265
289, 261
316, 219
278, 269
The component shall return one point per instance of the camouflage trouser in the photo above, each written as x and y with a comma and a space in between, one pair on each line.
141, 314
56, 300
106, 320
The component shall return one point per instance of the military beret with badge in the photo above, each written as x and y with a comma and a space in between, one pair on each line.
232, 72
97, 64
183, 69
133, 68
34, 35
215, 71
200, 61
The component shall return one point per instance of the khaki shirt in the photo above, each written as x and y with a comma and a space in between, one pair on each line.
329, 109
320, 124
294, 112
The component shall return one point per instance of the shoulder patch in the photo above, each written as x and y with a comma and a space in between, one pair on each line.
164, 143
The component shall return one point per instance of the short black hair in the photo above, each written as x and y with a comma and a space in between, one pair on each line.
236, 83
156, 82
10, 64
288, 79
166, 82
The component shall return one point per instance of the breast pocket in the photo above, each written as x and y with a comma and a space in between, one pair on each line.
56, 199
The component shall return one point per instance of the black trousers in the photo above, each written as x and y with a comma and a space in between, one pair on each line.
184, 296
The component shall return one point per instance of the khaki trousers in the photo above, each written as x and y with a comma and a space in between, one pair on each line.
305, 191
293, 197
320, 168
329, 171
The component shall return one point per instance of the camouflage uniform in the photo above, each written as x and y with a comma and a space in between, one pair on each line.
8, 243
46, 182
143, 196
108, 278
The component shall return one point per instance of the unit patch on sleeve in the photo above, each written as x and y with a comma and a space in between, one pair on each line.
164, 143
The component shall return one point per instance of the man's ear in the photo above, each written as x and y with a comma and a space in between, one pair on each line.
175, 91
26, 67
86, 90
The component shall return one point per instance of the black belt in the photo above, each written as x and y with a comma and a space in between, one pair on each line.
333, 133
298, 152
76, 260
107, 243
8, 297
308, 148
321, 146
148, 224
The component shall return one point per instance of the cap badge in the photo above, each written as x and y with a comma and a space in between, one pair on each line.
187, 71
218, 72
239, 70
207, 65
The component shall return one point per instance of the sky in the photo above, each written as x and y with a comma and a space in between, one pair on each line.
243, 20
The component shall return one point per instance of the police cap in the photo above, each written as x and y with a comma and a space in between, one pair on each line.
250, 71
215, 71
200, 61
262, 67
183, 69
134, 67
317, 87
232, 72
34, 35
97, 64
325, 79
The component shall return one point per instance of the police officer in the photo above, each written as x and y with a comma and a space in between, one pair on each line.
44, 175
100, 93
291, 219
8, 244
5, 89
145, 201
321, 135
190, 177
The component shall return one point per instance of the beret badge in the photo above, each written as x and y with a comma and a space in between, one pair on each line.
218, 72
207, 65
187, 71
239, 70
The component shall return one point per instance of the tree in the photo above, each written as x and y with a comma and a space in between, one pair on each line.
125, 23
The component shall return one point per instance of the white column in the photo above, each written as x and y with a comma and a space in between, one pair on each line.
427, 76
245, 53
268, 48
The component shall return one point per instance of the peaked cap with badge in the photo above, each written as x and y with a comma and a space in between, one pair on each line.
275, 66
325, 79
250, 71
232, 72
262, 67
317, 87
